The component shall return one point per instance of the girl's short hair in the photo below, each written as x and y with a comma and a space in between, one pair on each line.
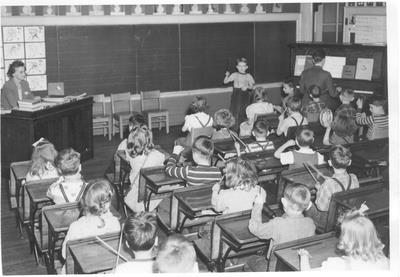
13, 67
260, 94
176, 255
199, 104
241, 60
288, 81
43, 153
223, 118
140, 141
298, 195
261, 128
304, 136
140, 231
97, 195
344, 126
68, 162
204, 146
340, 156
241, 174
294, 103
358, 238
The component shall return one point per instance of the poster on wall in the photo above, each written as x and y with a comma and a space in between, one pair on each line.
35, 50
37, 82
13, 34
14, 51
34, 33
35, 66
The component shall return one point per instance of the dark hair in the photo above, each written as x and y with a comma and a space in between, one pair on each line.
340, 156
140, 231
288, 81
261, 128
344, 126
314, 91
13, 66
304, 136
204, 146
68, 162
318, 55
136, 119
294, 103
241, 60
379, 101
199, 104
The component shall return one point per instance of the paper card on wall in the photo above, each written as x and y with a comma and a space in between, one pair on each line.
14, 51
364, 69
13, 34
2, 77
349, 71
35, 50
34, 33
334, 65
35, 67
37, 82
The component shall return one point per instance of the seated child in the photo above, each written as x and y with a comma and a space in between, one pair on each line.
296, 158
346, 109
360, 245
312, 109
239, 190
140, 154
260, 132
343, 129
339, 159
198, 119
295, 118
136, 119
97, 218
200, 174
140, 233
260, 106
378, 121
292, 225
176, 255
43, 166
289, 90
70, 186
223, 121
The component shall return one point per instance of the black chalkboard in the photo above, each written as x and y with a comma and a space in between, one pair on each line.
169, 57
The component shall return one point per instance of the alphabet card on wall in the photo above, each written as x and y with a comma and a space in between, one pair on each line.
34, 33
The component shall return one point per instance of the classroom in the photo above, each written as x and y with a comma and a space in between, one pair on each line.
197, 138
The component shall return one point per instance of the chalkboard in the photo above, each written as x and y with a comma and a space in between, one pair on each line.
169, 57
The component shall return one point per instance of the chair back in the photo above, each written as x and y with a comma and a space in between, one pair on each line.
99, 105
196, 132
150, 100
121, 102
272, 119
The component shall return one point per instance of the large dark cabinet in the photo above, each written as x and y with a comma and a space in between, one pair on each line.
66, 125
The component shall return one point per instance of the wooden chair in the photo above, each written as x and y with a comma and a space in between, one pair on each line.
101, 120
151, 107
196, 132
121, 109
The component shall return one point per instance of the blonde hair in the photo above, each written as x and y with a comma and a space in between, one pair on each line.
176, 255
97, 195
140, 141
43, 153
68, 162
359, 239
241, 174
298, 196
223, 118
260, 94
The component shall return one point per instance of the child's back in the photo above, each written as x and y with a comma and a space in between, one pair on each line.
43, 157
312, 109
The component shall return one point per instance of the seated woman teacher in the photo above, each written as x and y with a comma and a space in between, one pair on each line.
16, 88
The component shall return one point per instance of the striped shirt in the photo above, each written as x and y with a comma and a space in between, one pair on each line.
378, 125
193, 175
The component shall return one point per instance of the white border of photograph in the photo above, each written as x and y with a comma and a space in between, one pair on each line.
14, 51
35, 66
35, 50
34, 33
37, 82
13, 34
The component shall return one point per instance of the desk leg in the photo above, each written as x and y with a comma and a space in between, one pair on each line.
222, 257
147, 199
19, 216
53, 236
174, 213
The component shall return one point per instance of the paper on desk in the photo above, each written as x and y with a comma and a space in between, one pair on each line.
334, 65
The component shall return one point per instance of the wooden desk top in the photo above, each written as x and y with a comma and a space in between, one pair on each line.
92, 256
156, 177
319, 250
303, 177
263, 160
37, 191
60, 219
225, 146
196, 200
372, 155
20, 169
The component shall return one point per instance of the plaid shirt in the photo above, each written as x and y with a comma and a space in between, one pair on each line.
330, 186
346, 110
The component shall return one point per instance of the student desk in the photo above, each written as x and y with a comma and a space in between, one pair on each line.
371, 158
320, 247
88, 256
226, 146
158, 182
236, 235
191, 202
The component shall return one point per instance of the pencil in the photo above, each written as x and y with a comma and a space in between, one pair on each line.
110, 248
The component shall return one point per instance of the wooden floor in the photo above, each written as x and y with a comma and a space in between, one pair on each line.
16, 256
